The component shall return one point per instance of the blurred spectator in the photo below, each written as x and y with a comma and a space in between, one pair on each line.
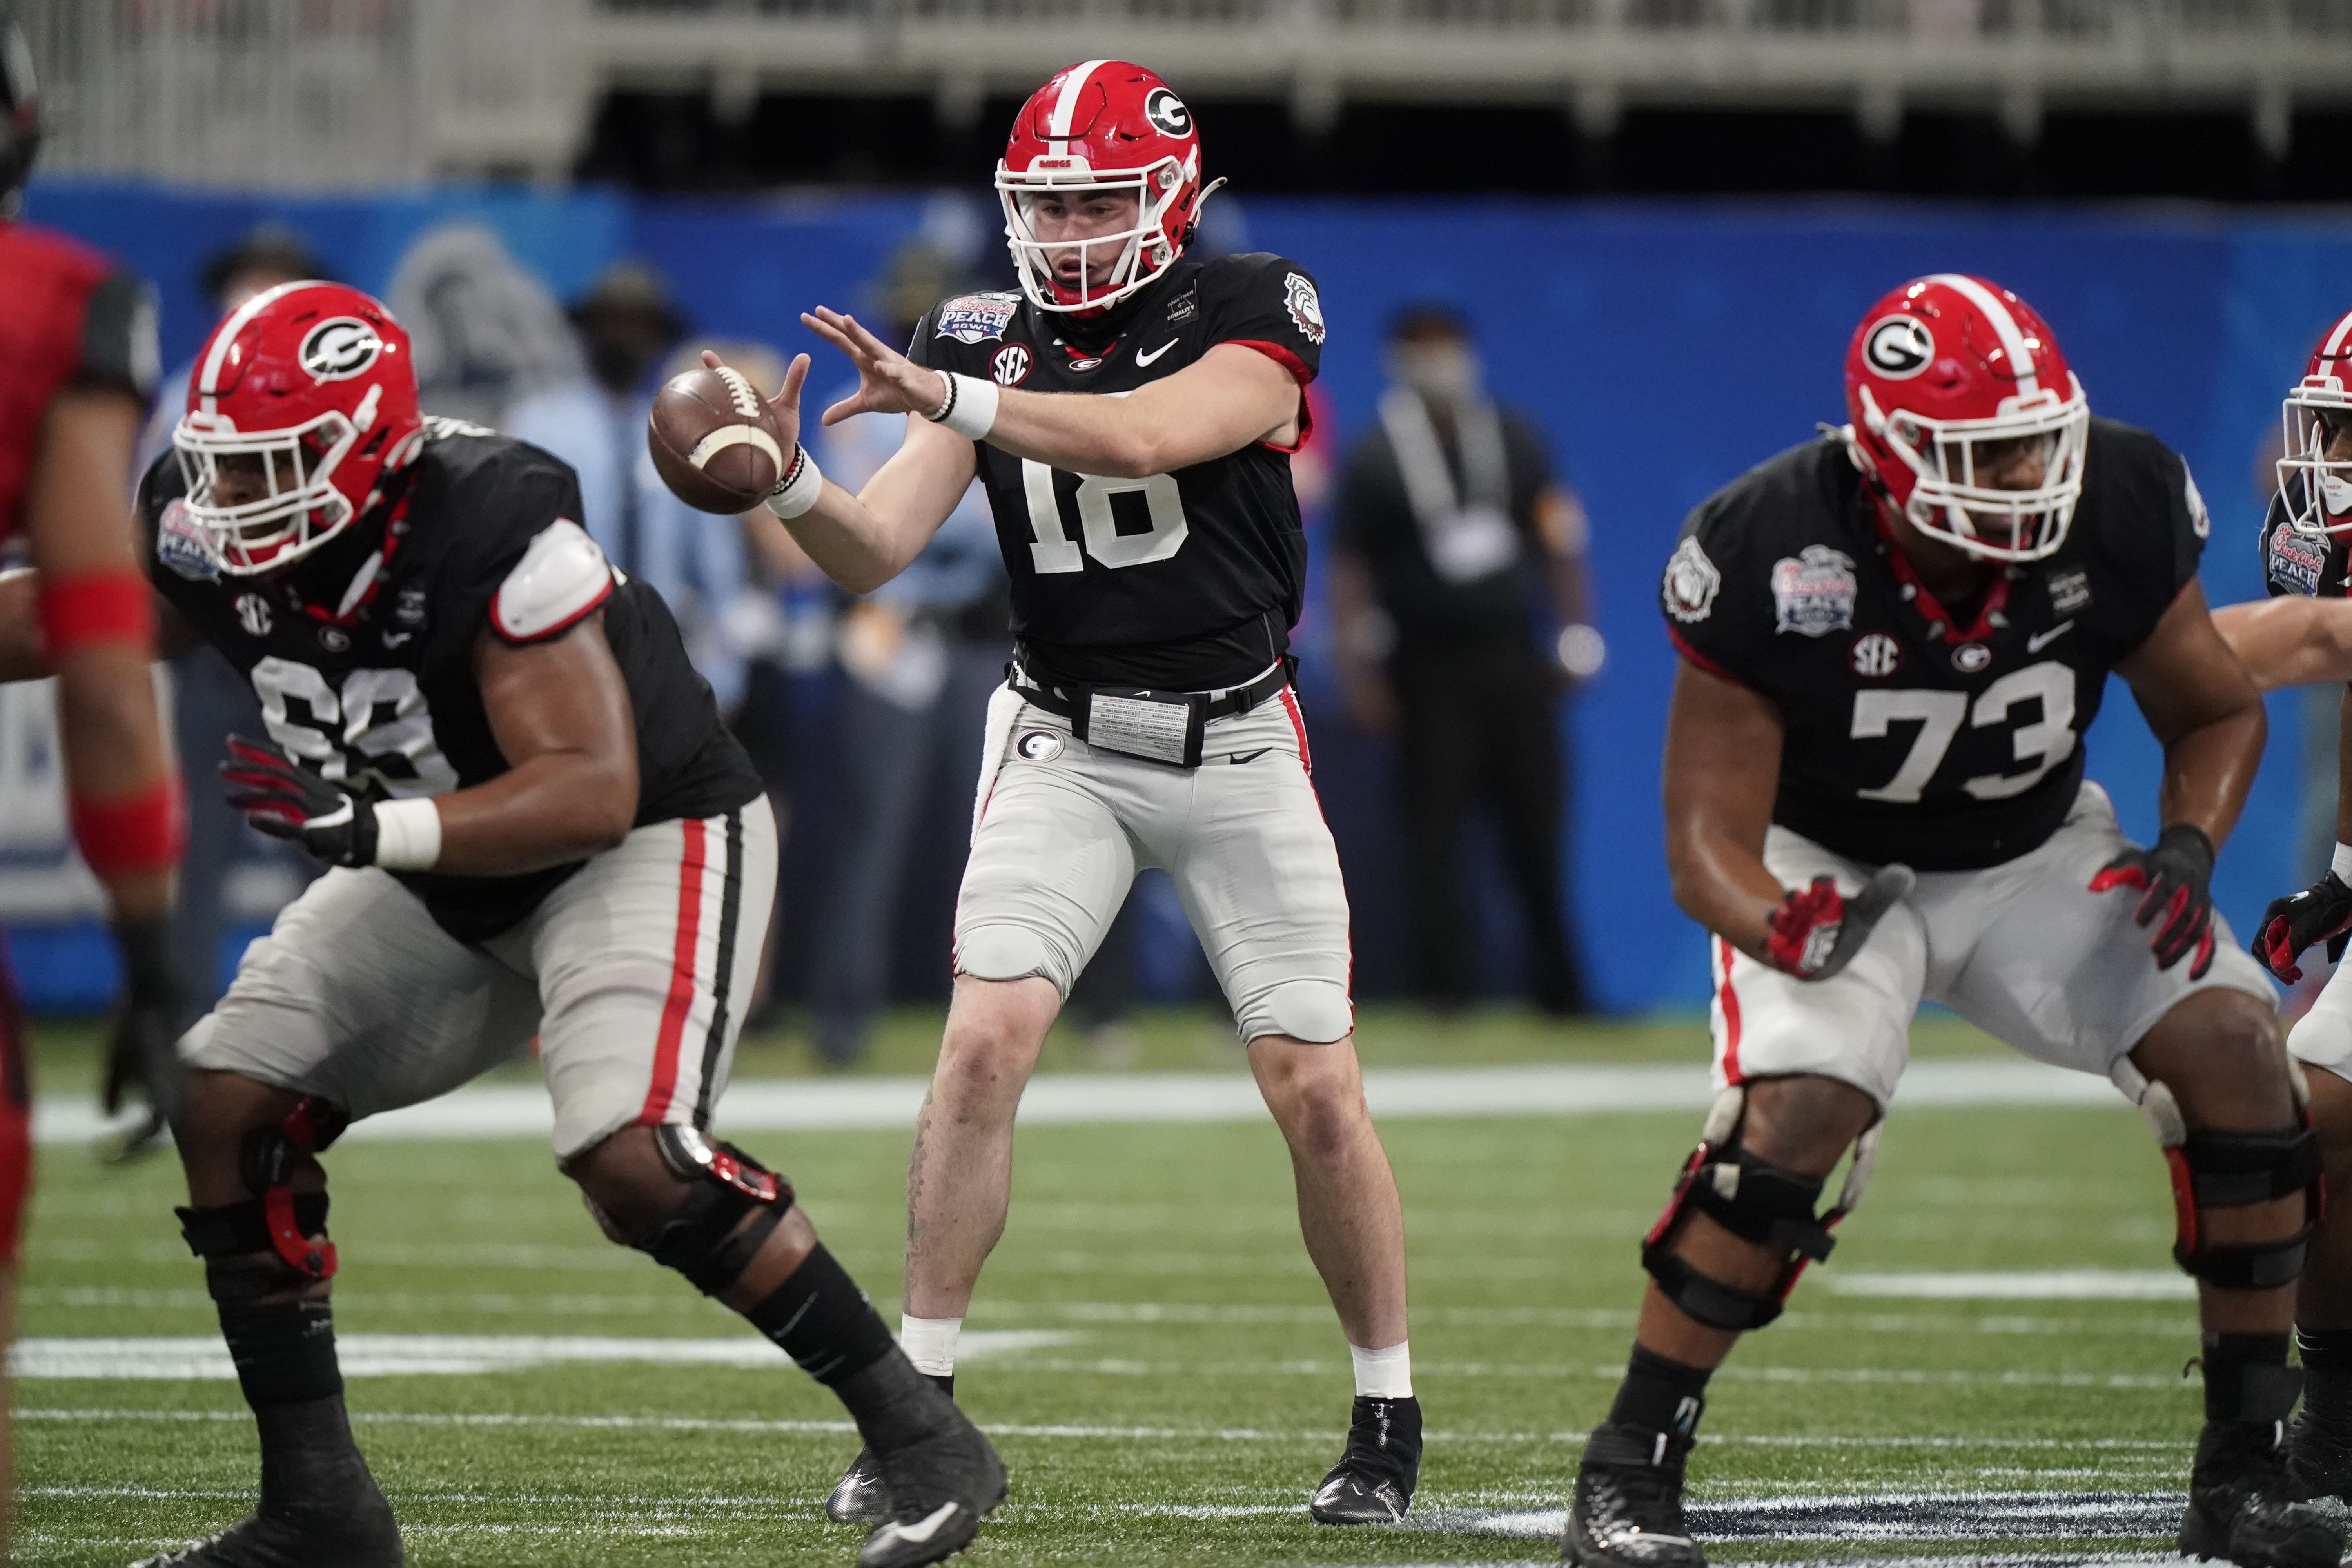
486, 333
209, 698
1453, 533
921, 655
596, 423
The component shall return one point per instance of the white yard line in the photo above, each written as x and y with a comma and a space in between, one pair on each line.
508, 1111
2035, 1284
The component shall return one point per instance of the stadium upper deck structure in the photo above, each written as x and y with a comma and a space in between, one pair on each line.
324, 93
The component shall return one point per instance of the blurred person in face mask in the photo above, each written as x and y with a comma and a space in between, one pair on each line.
920, 657
1462, 614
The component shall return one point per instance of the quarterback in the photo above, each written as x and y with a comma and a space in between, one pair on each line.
1914, 618
536, 825
1130, 412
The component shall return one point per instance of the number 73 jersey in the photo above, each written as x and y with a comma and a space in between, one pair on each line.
1945, 737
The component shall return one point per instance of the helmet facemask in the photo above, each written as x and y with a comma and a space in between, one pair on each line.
1141, 252
1947, 498
2316, 491
300, 506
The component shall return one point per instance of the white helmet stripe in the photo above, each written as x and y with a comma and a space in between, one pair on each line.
2012, 342
208, 379
2335, 339
1066, 107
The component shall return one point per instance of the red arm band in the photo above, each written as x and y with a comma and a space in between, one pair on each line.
143, 832
102, 607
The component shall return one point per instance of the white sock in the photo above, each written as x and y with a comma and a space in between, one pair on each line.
930, 1344
1382, 1374
2342, 864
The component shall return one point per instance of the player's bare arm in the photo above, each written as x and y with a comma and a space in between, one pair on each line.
2291, 640
1722, 770
560, 713
1231, 397
2205, 711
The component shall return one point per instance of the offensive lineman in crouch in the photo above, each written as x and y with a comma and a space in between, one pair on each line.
1915, 617
1156, 555
2304, 634
536, 824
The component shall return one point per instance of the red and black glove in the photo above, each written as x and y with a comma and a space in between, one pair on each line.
2171, 879
1817, 931
287, 800
2321, 912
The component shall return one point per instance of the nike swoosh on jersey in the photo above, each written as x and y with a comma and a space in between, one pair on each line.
923, 1530
393, 639
2037, 643
1143, 359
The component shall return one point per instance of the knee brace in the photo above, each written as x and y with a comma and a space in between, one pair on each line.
279, 1220
707, 1240
2234, 1170
1756, 1200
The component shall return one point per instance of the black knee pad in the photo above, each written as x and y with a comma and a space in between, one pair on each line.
1756, 1200
2234, 1170
708, 1240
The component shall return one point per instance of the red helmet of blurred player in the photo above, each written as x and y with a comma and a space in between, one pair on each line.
308, 390
1939, 373
1101, 126
2315, 492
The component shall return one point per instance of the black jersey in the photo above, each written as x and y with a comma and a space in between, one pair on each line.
2297, 563
381, 690
1911, 735
1186, 581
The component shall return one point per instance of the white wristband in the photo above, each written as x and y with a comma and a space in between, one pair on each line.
407, 834
799, 489
2342, 864
971, 408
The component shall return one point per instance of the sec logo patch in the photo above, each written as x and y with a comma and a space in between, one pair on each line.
1037, 746
1011, 365
1876, 653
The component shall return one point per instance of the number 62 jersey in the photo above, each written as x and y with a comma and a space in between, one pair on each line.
1947, 738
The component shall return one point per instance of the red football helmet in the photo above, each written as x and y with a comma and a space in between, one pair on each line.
2316, 407
1102, 125
312, 383
1943, 367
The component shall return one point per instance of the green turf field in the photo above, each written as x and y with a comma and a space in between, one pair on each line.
1183, 1384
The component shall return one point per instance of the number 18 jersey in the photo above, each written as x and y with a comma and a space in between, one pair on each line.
1911, 733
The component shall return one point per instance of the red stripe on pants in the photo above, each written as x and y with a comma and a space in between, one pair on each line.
681, 979
1731, 1000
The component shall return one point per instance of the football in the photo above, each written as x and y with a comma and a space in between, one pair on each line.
714, 441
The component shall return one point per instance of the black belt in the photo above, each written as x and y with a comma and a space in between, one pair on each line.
1157, 726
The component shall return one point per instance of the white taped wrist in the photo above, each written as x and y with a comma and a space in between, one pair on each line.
1383, 1374
2342, 864
798, 489
407, 834
930, 1344
971, 408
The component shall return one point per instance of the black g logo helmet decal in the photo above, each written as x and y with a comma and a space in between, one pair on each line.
340, 348
1900, 347
1167, 111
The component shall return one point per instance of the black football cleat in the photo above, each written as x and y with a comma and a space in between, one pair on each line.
939, 1472
1628, 1508
345, 1537
859, 1496
1373, 1481
2241, 1506
2318, 1457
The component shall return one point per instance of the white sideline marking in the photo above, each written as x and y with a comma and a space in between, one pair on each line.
1887, 1516
1085, 1434
510, 1111
2036, 1285
207, 1358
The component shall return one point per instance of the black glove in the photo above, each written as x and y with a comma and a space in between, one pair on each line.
1817, 931
287, 800
2321, 912
2173, 894
141, 1054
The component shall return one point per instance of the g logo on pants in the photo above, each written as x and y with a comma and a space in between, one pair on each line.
1038, 745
